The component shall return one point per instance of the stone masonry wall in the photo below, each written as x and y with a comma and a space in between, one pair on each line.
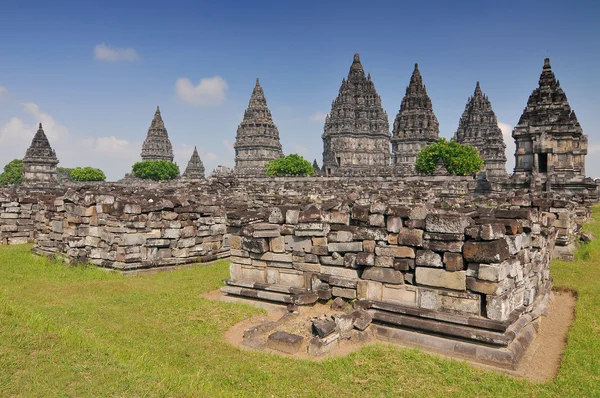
481, 262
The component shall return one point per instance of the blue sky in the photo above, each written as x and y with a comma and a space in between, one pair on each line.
94, 71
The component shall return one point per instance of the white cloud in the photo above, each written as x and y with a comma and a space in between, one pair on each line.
229, 147
3, 92
54, 130
318, 117
103, 52
510, 145
209, 91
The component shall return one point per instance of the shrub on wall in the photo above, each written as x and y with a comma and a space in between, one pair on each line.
291, 165
157, 170
457, 158
87, 174
13, 173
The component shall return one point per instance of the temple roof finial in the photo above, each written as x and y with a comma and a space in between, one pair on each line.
40, 125
547, 63
257, 82
356, 57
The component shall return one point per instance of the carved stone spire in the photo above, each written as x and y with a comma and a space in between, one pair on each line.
257, 139
316, 167
195, 168
415, 125
478, 126
157, 145
357, 132
549, 139
39, 163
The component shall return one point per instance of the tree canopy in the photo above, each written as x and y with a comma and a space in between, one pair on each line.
291, 165
458, 159
13, 173
87, 174
157, 170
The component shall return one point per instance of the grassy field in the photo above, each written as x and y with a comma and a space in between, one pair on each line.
68, 331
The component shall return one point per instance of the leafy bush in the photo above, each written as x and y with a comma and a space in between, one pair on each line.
87, 174
291, 165
457, 158
157, 170
64, 173
13, 173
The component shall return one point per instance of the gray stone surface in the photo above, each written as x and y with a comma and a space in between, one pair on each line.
285, 342
195, 167
157, 145
39, 163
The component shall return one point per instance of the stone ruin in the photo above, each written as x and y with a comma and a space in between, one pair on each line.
39, 163
415, 126
356, 134
194, 169
257, 139
157, 145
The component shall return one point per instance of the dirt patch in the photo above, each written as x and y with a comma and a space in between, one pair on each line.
542, 360
540, 363
213, 295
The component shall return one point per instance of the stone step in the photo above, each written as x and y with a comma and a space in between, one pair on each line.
300, 298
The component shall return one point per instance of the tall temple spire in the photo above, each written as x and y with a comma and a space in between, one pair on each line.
39, 163
478, 126
356, 132
415, 125
548, 137
257, 139
157, 145
195, 168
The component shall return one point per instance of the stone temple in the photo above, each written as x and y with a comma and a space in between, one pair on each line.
157, 145
356, 133
478, 127
257, 139
39, 163
415, 126
549, 139
195, 168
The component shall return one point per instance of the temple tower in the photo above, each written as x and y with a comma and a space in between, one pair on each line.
39, 163
549, 139
478, 127
357, 132
257, 139
157, 145
415, 125
195, 168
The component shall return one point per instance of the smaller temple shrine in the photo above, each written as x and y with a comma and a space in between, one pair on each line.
550, 144
415, 125
356, 134
195, 168
157, 145
257, 139
478, 127
39, 163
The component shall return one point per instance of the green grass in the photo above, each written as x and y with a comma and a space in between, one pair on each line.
79, 331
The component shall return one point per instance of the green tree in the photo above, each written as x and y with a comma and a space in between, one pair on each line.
13, 173
87, 174
157, 170
458, 159
291, 165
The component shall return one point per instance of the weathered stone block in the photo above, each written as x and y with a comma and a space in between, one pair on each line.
343, 247
410, 237
441, 278
400, 294
323, 327
255, 245
439, 300
394, 224
492, 231
385, 275
446, 223
395, 251
369, 290
377, 220
291, 216
317, 346
443, 246
343, 292
428, 258
453, 261
360, 213
365, 259
298, 243
285, 342
277, 245
486, 252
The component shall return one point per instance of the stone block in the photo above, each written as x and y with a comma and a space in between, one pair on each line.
395, 251
369, 246
453, 261
342, 282
404, 264
384, 261
492, 231
428, 258
365, 259
285, 342
456, 302
394, 224
298, 243
393, 239
399, 294
443, 246
339, 271
384, 275
319, 241
344, 324
276, 216
255, 245
377, 220
446, 223
340, 236
343, 247
291, 216
494, 251
410, 237
485, 287
277, 245
343, 292
369, 290
318, 346
338, 217
360, 213
291, 278
362, 319
441, 278
323, 327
